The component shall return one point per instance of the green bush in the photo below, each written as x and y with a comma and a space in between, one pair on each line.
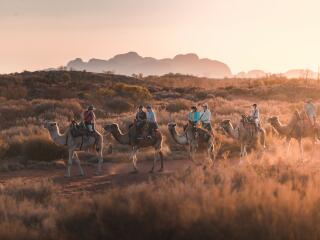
119, 105
132, 91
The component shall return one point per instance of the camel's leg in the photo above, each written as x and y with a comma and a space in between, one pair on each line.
158, 154
211, 154
69, 164
78, 163
313, 148
301, 149
100, 162
161, 161
133, 156
243, 152
155, 158
191, 153
288, 146
263, 138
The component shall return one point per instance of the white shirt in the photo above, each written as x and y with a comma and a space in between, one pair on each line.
310, 109
255, 113
205, 116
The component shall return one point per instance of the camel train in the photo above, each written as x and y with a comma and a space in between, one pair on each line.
248, 133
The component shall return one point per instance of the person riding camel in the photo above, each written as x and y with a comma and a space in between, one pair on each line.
193, 118
152, 121
89, 119
140, 120
255, 115
310, 111
205, 118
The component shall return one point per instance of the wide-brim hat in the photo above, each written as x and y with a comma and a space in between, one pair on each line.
91, 107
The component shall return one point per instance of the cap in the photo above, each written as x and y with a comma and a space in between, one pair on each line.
91, 107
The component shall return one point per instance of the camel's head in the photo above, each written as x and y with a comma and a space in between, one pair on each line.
51, 126
225, 125
273, 120
109, 128
172, 125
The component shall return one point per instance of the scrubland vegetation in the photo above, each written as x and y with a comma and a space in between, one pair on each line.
272, 197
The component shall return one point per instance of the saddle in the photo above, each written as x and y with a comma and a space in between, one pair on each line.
249, 123
79, 130
137, 133
304, 121
194, 128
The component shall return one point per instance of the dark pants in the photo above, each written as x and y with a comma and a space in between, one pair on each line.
152, 127
139, 126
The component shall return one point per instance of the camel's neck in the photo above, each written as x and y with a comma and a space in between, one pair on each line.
180, 139
57, 137
233, 132
120, 137
282, 129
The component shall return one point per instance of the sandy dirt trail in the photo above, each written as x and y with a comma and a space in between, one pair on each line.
114, 175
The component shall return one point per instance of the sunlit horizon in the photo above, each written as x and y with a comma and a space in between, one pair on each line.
274, 36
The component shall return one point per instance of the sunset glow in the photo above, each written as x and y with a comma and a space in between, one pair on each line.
266, 34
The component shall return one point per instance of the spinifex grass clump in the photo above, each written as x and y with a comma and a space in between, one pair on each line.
230, 202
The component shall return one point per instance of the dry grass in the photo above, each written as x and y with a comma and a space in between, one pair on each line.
269, 197
259, 201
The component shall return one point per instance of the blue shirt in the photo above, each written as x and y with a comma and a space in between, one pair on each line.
194, 116
151, 117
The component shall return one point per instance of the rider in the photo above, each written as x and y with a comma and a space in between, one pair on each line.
193, 118
89, 119
205, 118
141, 118
310, 110
151, 120
255, 115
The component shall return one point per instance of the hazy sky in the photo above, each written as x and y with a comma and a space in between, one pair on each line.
274, 35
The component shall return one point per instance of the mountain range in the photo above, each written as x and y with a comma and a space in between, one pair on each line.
132, 63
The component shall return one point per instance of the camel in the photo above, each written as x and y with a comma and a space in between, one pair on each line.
205, 140
298, 128
75, 144
130, 140
247, 136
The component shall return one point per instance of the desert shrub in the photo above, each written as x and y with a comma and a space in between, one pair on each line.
201, 95
119, 105
178, 106
48, 109
40, 148
39, 192
31, 142
106, 92
132, 91
13, 91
